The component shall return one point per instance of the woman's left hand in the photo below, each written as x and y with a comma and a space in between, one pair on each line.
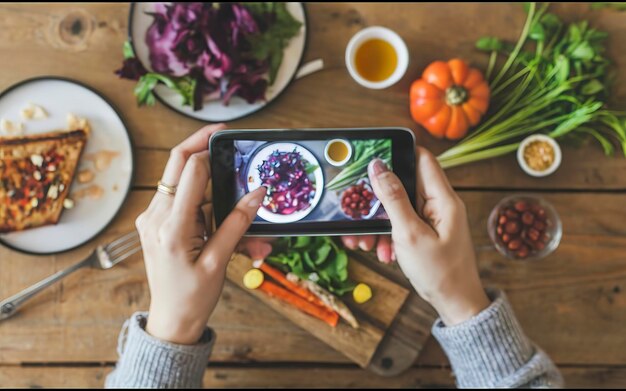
185, 262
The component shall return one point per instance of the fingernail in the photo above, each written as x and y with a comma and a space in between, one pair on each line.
258, 197
350, 243
377, 167
362, 245
393, 256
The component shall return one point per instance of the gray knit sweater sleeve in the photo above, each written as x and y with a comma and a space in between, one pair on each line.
490, 350
147, 362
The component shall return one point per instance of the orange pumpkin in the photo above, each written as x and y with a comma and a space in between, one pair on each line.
449, 98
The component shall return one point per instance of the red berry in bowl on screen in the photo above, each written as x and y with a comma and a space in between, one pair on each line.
356, 200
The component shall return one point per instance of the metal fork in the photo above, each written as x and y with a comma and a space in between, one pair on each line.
103, 257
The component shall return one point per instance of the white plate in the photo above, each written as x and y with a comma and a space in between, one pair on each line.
215, 111
261, 155
88, 217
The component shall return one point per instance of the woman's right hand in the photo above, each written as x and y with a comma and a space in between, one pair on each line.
433, 246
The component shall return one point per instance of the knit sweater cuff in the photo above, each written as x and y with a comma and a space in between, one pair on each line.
147, 362
487, 349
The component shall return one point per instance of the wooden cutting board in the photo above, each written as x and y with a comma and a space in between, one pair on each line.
375, 317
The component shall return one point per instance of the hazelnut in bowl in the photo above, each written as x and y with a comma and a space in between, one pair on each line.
524, 227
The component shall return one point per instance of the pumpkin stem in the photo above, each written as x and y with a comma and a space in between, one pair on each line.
456, 95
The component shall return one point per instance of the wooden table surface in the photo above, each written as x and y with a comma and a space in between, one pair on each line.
573, 304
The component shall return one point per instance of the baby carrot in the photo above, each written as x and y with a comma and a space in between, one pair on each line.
282, 280
330, 317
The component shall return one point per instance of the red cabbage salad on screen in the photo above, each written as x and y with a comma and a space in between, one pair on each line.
212, 51
286, 174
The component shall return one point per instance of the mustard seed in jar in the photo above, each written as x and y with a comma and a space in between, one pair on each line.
539, 155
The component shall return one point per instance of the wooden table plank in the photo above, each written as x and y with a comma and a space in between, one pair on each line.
294, 377
571, 304
32, 32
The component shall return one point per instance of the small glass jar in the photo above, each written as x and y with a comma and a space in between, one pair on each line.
524, 227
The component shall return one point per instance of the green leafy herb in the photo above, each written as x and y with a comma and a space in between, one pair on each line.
310, 168
185, 87
558, 85
271, 44
320, 256
127, 50
364, 151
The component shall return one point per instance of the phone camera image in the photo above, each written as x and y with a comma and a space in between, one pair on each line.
311, 180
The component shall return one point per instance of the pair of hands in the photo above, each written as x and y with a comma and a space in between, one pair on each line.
186, 269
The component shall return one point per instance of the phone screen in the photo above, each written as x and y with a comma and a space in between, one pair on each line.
311, 180
316, 179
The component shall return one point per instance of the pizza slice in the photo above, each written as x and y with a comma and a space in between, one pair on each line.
35, 176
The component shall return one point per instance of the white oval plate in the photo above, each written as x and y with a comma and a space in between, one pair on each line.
108, 132
262, 155
215, 111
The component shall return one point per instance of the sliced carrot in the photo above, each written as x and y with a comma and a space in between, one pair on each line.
282, 280
321, 313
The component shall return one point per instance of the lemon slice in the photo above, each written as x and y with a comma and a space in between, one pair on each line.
362, 293
253, 278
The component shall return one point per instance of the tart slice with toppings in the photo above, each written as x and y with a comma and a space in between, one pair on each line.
35, 177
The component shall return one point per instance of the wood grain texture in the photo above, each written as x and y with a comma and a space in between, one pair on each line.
329, 98
374, 317
294, 377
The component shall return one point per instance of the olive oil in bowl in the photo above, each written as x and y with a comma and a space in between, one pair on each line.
377, 57
376, 60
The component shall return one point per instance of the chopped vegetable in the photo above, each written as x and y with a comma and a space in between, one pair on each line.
253, 279
328, 299
282, 280
557, 86
289, 187
209, 51
330, 317
449, 98
362, 293
315, 258
364, 152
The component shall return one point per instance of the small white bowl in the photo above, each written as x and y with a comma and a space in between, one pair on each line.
332, 161
526, 167
386, 35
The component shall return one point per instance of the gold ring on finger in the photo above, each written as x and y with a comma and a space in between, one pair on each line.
166, 189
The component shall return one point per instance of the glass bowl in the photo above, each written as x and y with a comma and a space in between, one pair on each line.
511, 216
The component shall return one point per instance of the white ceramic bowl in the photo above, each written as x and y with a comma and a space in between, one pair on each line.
526, 167
387, 35
332, 161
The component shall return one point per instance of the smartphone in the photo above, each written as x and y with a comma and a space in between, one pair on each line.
316, 179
